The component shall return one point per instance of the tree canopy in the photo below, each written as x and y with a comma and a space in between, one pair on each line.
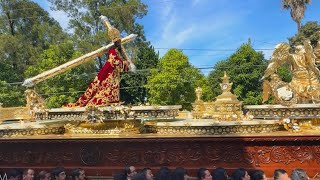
307, 31
26, 30
297, 9
245, 68
133, 90
174, 81
74, 81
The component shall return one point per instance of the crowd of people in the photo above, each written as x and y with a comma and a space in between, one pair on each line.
130, 173
58, 173
220, 173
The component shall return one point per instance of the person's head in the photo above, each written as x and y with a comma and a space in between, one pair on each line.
163, 174
117, 43
299, 174
14, 174
28, 174
204, 174
220, 174
129, 171
78, 174
258, 175
44, 175
59, 173
148, 173
179, 174
280, 174
240, 174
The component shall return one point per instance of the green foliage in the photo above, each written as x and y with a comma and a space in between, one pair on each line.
65, 87
297, 9
89, 33
284, 73
307, 31
245, 68
133, 90
25, 31
11, 95
174, 81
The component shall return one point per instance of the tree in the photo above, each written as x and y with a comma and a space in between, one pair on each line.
307, 31
25, 31
65, 87
89, 33
133, 90
11, 95
297, 9
245, 68
174, 81
29, 30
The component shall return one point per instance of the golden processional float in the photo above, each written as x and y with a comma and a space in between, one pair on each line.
296, 105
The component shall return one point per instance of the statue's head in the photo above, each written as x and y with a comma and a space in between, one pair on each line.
280, 49
114, 34
299, 49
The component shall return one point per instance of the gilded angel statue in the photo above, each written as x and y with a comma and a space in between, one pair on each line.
304, 86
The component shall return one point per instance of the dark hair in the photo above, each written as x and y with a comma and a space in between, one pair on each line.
219, 174
238, 174
139, 176
56, 171
75, 173
201, 173
163, 174
178, 173
299, 174
13, 173
277, 173
127, 170
257, 175
120, 176
144, 170
42, 174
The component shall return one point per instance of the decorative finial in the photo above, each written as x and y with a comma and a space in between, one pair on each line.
113, 33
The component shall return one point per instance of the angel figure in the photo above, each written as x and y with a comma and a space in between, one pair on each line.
304, 86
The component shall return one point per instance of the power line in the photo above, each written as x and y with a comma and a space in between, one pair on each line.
108, 8
197, 49
146, 70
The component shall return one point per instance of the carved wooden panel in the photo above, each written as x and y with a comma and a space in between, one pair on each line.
107, 156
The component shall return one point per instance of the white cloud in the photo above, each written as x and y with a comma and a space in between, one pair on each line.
182, 31
183, 35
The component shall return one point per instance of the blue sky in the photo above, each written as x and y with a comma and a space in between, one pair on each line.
210, 30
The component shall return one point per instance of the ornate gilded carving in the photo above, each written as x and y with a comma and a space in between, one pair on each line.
35, 104
294, 118
225, 108
213, 129
24, 132
304, 86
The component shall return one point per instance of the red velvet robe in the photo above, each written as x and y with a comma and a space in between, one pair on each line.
104, 89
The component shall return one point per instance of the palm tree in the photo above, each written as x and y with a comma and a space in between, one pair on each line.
297, 8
